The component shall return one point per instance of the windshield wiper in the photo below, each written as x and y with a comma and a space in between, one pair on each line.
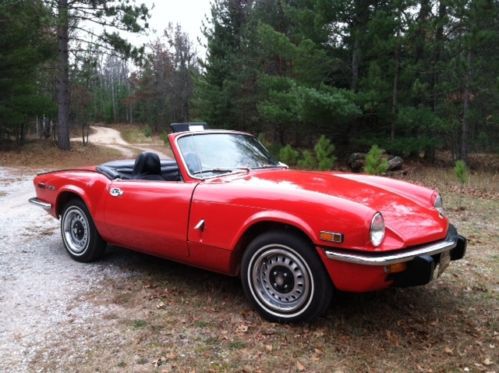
221, 170
271, 166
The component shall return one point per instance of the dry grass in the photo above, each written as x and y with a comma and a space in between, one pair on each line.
166, 317
135, 133
45, 154
480, 183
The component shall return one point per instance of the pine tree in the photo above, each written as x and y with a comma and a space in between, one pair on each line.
25, 45
71, 18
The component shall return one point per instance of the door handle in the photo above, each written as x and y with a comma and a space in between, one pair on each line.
116, 192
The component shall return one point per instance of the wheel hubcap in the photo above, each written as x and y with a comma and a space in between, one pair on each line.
280, 279
75, 231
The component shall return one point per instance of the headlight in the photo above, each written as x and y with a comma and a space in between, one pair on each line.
439, 205
377, 229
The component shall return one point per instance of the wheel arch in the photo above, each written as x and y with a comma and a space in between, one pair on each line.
260, 225
68, 194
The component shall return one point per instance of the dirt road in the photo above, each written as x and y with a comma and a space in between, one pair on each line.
111, 138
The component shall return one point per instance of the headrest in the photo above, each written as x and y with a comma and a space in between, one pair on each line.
147, 163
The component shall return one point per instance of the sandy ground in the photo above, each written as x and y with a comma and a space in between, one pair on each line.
39, 283
111, 138
38, 280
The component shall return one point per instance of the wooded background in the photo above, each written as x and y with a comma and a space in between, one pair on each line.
412, 76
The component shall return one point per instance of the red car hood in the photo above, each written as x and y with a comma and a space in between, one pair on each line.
406, 208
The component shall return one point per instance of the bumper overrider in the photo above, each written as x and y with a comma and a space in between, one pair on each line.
420, 261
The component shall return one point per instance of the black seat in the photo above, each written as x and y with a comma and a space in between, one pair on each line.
147, 167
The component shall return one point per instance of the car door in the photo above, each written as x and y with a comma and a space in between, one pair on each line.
149, 216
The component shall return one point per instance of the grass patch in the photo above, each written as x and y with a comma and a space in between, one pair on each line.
237, 345
134, 133
45, 154
138, 324
201, 324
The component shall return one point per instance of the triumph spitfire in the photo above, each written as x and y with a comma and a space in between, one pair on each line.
225, 205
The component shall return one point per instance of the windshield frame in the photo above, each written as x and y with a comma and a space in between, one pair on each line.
222, 132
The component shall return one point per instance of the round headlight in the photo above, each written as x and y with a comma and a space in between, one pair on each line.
377, 229
439, 205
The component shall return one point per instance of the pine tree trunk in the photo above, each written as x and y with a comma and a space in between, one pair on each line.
62, 86
355, 64
439, 40
395, 89
466, 107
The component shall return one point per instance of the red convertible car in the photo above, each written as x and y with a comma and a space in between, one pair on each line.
225, 205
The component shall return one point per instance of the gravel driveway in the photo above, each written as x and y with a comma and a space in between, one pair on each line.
42, 291
38, 281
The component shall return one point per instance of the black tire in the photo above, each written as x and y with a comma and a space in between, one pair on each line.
284, 278
79, 235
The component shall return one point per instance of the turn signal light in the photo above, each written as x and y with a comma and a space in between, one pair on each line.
396, 267
331, 236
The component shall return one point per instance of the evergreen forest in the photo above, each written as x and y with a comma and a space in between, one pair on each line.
413, 77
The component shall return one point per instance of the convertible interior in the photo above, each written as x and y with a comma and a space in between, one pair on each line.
147, 166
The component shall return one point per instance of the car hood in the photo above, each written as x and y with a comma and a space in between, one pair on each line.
406, 208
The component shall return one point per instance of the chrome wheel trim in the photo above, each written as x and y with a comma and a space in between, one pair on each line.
75, 231
270, 295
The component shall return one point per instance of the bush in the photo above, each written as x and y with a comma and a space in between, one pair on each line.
289, 155
324, 153
375, 164
308, 160
147, 131
461, 171
164, 137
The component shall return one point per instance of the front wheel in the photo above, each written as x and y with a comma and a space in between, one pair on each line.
284, 278
79, 235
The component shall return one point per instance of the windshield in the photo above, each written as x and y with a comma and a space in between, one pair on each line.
211, 154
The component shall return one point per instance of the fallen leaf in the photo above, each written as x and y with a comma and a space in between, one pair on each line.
243, 328
392, 338
448, 351
268, 348
161, 306
487, 362
300, 366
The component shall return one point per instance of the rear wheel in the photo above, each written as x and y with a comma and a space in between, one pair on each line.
284, 278
79, 235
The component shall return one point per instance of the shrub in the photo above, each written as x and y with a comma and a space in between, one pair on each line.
289, 155
461, 171
147, 131
375, 164
308, 160
164, 137
324, 153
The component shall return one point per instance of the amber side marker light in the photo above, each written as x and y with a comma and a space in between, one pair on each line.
331, 236
396, 267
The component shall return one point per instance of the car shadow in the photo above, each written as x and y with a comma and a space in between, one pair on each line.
415, 308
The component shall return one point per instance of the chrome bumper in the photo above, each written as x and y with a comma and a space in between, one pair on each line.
44, 205
404, 255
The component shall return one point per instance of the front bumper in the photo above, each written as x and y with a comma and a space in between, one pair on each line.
453, 243
363, 271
